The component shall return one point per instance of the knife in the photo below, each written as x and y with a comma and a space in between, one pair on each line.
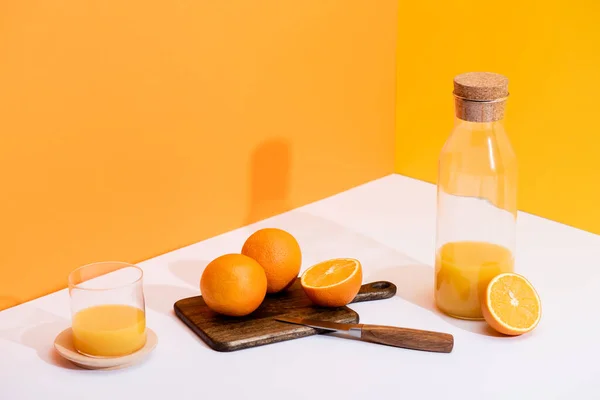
389, 335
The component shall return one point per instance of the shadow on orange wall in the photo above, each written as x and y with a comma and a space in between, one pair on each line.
132, 129
270, 166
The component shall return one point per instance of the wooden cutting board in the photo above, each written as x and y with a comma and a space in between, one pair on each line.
223, 333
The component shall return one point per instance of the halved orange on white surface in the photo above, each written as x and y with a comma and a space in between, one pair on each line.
333, 283
511, 305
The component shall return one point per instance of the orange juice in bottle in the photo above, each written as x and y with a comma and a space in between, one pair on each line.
476, 197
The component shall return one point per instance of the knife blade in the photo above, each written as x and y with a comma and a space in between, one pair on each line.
409, 338
352, 329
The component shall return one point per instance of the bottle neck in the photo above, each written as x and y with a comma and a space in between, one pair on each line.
479, 126
479, 111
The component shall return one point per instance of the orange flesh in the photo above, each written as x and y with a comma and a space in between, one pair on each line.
514, 302
330, 272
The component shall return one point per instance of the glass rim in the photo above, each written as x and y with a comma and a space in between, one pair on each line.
103, 289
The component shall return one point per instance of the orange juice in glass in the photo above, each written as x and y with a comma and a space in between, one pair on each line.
108, 310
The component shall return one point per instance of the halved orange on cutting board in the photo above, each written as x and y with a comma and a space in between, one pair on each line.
332, 283
511, 305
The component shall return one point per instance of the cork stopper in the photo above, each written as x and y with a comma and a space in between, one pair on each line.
480, 96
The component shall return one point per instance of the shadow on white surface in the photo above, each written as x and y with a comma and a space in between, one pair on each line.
415, 284
189, 271
38, 332
413, 281
161, 299
321, 239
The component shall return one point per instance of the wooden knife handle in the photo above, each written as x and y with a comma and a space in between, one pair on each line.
408, 338
375, 291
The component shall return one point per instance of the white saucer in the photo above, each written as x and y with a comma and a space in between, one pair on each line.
64, 346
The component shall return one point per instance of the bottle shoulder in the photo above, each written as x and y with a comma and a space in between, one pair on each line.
478, 149
486, 138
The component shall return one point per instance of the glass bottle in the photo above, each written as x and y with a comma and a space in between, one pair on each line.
476, 197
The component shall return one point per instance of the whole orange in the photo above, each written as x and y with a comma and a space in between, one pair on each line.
278, 252
233, 284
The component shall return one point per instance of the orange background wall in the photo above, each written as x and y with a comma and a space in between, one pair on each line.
550, 51
133, 128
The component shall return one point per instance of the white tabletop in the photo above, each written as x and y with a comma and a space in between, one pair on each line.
389, 225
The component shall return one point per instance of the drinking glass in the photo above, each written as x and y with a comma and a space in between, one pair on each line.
107, 309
